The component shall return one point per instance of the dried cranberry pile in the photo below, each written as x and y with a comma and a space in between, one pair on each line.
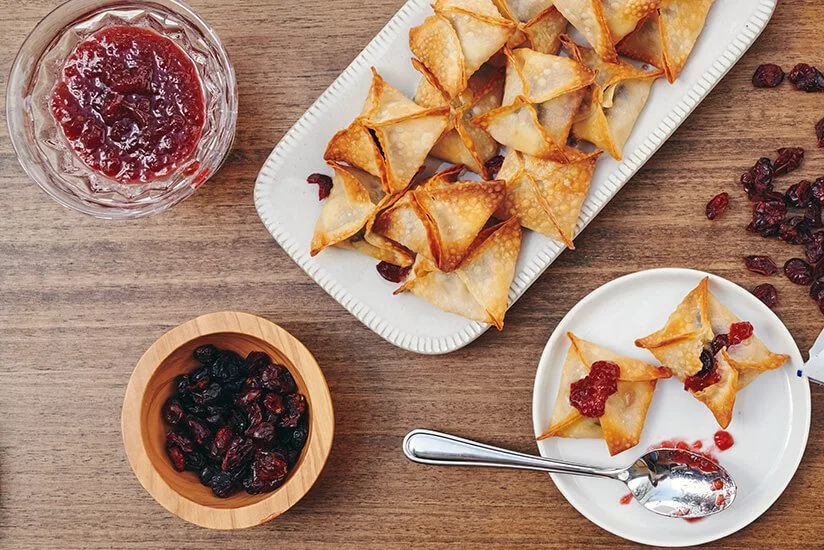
238, 423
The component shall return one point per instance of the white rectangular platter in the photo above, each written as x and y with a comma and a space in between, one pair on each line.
289, 206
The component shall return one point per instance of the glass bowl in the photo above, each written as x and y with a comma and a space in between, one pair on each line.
38, 140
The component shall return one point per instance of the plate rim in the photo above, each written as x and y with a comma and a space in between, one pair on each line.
804, 388
540, 261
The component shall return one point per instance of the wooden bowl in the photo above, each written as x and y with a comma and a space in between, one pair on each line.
144, 432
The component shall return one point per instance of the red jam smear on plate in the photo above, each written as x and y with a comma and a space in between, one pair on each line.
589, 394
626, 499
723, 440
130, 104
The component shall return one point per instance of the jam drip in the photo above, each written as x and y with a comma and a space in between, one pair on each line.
589, 394
130, 104
709, 375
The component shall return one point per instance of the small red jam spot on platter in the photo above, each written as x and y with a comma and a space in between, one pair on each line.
723, 440
626, 499
697, 444
692, 520
130, 104
589, 394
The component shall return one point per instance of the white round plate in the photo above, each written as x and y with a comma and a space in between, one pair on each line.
770, 422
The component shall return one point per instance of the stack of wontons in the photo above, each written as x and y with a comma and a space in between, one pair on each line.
495, 73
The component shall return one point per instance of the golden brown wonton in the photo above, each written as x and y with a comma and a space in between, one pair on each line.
404, 132
541, 97
458, 39
464, 142
479, 287
608, 114
625, 410
539, 24
666, 38
441, 218
547, 195
690, 328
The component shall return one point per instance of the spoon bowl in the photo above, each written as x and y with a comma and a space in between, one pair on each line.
669, 482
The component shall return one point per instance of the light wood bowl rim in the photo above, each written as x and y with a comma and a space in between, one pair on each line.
318, 445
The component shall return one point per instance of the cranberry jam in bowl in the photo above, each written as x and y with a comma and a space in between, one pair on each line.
121, 109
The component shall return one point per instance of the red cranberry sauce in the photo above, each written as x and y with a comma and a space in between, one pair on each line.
130, 104
589, 394
723, 440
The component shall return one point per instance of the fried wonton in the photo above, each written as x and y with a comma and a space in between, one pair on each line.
441, 219
464, 142
352, 200
617, 97
539, 24
479, 288
547, 195
458, 39
691, 329
588, 17
625, 410
391, 138
666, 38
541, 97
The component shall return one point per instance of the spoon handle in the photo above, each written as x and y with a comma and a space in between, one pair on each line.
430, 447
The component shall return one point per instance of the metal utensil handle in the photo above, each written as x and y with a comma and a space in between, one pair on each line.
430, 447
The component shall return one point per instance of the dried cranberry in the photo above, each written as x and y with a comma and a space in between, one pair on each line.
222, 484
195, 461
789, 159
795, 230
719, 342
177, 457
767, 294
223, 437
758, 179
813, 215
199, 430
718, 205
174, 439
182, 385
287, 382
263, 433
273, 403
239, 452
254, 413
323, 182
209, 395
817, 291
799, 195
238, 421
393, 273
206, 354
806, 78
228, 365
763, 265
295, 407
768, 75
300, 435
766, 217
589, 394
707, 376
493, 165
256, 360
269, 377
798, 271
817, 190
269, 467
172, 411
739, 332
814, 249
206, 473
248, 397
819, 132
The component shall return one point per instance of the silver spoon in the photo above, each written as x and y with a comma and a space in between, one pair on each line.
666, 481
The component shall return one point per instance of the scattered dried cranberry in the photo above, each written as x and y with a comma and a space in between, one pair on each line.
795, 230
739, 332
814, 249
817, 190
393, 273
813, 215
718, 205
493, 165
798, 271
817, 291
211, 414
767, 294
819, 132
323, 182
589, 394
763, 265
806, 78
768, 75
758, 179
799, 194
789, 159
767, 216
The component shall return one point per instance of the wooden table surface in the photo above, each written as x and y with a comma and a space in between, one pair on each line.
81, 299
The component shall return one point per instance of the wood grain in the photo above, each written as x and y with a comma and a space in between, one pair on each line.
82, 299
